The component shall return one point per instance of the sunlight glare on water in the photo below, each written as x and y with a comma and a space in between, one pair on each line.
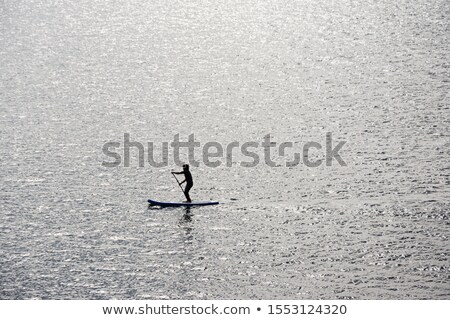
77, 74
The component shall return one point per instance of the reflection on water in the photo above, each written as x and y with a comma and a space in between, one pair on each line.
78, 74
186, 224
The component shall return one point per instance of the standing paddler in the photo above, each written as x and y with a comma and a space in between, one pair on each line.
187, 179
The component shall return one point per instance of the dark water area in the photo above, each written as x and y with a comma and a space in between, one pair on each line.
76, 75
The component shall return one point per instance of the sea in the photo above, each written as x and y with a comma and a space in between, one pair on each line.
354, 205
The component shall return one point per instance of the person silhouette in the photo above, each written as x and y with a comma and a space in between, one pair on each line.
187, 179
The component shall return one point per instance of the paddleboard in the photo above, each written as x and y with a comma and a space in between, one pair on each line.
180, 204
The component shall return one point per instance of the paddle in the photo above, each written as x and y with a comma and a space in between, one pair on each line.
178, 182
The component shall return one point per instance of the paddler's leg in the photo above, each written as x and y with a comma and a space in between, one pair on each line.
186, 192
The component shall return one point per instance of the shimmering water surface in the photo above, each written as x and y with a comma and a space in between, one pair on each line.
77, 74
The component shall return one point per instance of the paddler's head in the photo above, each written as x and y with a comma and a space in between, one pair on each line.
185, 167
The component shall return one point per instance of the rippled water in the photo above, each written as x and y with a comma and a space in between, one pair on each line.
75, 75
